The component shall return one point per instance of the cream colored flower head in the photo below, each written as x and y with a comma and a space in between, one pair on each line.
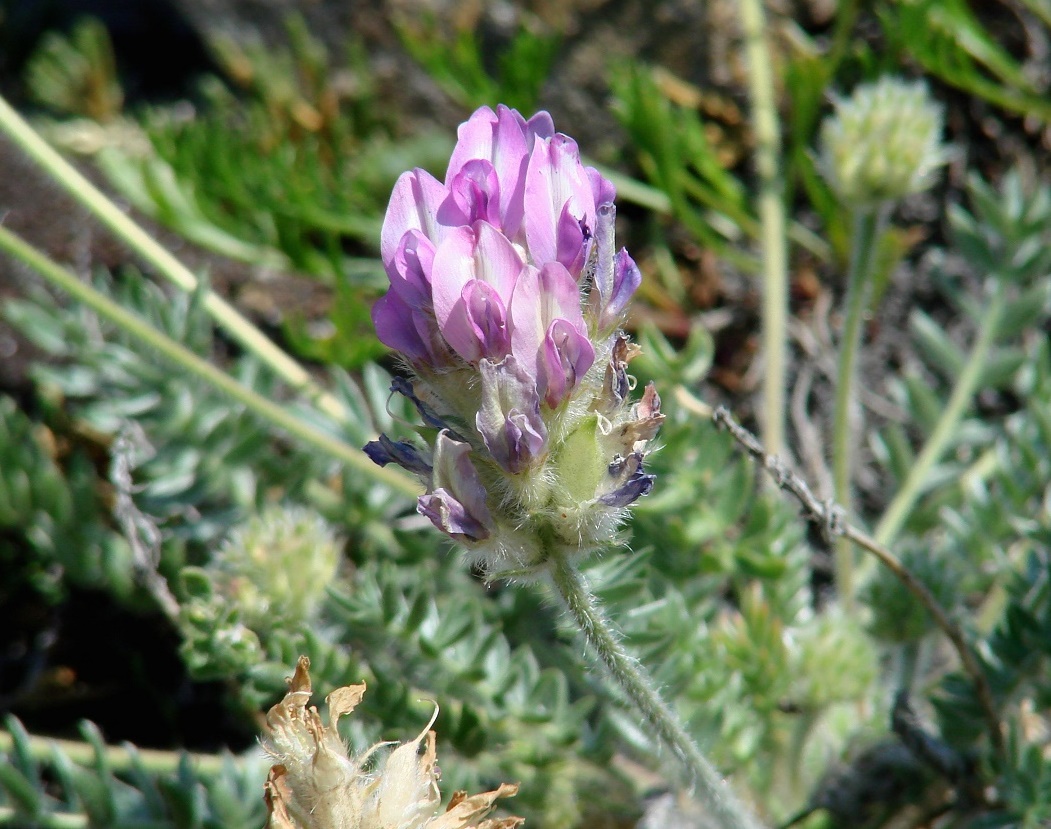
883, 142
316, 784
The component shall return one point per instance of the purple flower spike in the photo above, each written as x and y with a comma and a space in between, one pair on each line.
509, 416
505, 283
456, 503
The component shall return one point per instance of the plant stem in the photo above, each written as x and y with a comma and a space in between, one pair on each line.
184, 358
966, 384
867, 226
164, 263
632, 678
846, 17
908, 662
772, 217
118, 758
75, 820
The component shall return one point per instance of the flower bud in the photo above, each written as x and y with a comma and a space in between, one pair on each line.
271, 573
276, 567
882, 143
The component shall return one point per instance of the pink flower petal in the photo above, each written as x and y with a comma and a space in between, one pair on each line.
413, 205
476, 252
555, 182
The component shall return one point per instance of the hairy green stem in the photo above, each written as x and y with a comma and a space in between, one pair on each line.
714, 790
966, 384
153, 253
867, 226
184, 358
772, 218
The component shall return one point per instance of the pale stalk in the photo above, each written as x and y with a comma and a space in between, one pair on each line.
959, 401
772, 219
159, 259
631, 677
867, 226
74, 820
193, 364
117, 758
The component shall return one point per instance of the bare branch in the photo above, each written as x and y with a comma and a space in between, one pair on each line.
831, 518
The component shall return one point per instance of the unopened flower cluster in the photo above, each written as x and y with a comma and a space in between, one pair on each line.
316, 784
883, 142
506, 300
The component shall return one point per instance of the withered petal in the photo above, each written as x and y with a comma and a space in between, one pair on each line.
343, 701
276, 794
465, 811
300, 681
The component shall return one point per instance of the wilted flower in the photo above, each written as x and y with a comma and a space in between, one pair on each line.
317, 784
506, 296
883, 142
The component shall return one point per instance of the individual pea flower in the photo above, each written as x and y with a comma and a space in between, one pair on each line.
506, 298
317, 784
883, 142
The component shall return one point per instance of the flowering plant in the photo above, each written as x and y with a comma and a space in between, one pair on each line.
506, 298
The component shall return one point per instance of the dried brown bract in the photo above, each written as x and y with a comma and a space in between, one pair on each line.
315, 783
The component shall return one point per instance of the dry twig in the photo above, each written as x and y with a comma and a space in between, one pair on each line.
832, 520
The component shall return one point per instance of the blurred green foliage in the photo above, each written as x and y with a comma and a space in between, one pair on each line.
475, 74
77, 74
947, 38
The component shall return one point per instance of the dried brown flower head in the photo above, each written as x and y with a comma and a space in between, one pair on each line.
316, 784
